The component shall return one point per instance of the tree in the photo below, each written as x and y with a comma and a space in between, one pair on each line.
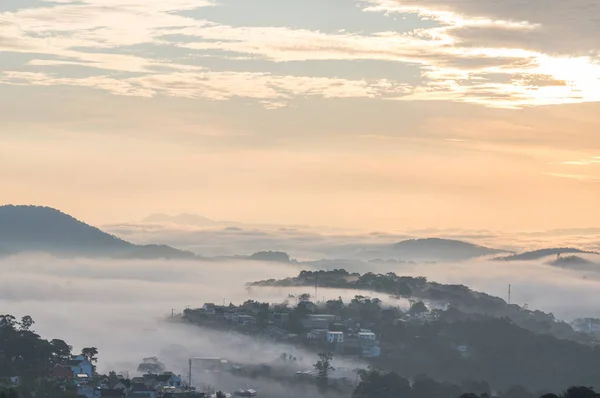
61, 352
382, 385
11, 393
304, 297
580, 392
323, 367
90, 353
418, 308
26, 323
220, 394
151, 365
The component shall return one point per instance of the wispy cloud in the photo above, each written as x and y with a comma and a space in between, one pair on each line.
578, 177
476, 52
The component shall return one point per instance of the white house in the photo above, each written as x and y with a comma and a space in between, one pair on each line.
367, 336
335, 337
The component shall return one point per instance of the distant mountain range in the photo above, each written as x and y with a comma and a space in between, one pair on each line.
539, 254
43, 229
430, 249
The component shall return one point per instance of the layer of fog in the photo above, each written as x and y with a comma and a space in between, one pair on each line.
120, 306
305, 243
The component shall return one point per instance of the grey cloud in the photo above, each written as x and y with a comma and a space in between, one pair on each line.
556, 26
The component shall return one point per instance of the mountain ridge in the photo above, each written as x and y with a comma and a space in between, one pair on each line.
28, 228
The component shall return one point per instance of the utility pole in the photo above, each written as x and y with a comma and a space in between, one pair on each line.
190, 374
509, 293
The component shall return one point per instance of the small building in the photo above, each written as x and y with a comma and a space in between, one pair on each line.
317, 335
318, 321
367, 336
80, 365
209, 308
335, 337
169, 379
246, 320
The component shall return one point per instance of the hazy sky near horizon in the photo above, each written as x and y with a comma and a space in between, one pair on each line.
363, 113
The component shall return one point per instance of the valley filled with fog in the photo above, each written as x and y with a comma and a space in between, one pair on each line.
121, 306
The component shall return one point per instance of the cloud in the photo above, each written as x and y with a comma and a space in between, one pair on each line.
274, 90
552, 27
470, 42
578, 177
583, 162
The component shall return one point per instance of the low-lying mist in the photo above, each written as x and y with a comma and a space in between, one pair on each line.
120, 307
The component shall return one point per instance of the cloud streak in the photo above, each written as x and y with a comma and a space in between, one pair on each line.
475, 53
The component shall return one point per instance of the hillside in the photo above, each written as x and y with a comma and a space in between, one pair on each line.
455, 296
43, 229
430, 249
539, 254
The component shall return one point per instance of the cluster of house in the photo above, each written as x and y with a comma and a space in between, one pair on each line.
326, 330
344, 337
80, 371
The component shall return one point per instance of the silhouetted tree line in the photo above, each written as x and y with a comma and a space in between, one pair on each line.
25, 356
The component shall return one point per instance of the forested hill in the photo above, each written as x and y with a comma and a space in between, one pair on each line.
43, 229
457, 296
539, 254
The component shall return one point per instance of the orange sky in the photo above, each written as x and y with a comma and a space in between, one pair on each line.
234, 119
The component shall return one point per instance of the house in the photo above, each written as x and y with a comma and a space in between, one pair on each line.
80, 365
62, 372
317, 334
82, 378
280, 318
318, 321
209, 308
169, 379
246, 320
368, 344
335, 337
367, 336
231, 316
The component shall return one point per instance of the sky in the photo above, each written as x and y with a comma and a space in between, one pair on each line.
353, 113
